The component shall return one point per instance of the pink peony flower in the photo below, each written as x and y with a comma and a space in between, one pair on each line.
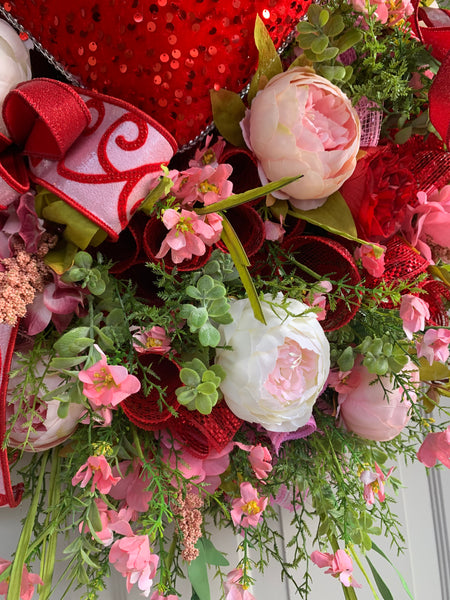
373, 265
98, 467
247, 509
374, 484
339, 565
372, 408
434, 345
131, 556
235, 590
301, 124
107, 385
413, 312
189, 234
29, 580
436, 446
151, 341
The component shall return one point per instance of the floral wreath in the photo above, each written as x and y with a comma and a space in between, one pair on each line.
256, 322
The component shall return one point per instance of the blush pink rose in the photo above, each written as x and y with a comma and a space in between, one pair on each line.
374, 409
301, 124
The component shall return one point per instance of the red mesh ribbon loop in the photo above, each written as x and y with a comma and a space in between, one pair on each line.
438, 297
439, 98
146, 411
8, 494
331, 260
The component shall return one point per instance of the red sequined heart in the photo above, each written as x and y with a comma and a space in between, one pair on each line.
159, 55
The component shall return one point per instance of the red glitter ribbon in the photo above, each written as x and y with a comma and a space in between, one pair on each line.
97, 153
437, 32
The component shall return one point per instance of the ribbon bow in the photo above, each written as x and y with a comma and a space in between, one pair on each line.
97, 153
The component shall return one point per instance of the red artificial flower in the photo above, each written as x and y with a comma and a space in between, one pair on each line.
379, 191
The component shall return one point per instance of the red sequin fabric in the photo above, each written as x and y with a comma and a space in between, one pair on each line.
159, 55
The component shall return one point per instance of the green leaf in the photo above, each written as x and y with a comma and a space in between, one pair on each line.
319, 45
189, 377
204, 404
162, 189
198, 573
212, 555
207, 388
237, 253
219, 371
335, 26
185, 395
237, 199
305, 27
218, 307
197, 318
306, 40
348, 39
66, 363
334, 216
73, 342
382, 587
208, 335
205, 284
228, 111
323, 17
218, 291
433, 372
269, 62
402, 579
314, 12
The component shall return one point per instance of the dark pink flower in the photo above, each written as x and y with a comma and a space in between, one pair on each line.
247, 509
207, 184
373, 265
436, 446
133, 487
208, 155
98, 468
151, 341
434, 345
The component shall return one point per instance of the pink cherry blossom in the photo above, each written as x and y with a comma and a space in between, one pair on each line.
373, 265
29, 580
235, 590
320, 300
107, 385
207, 184
413, 312
247, 509
131, 556
374, 484
340, 566
189, 234
436, 446
151, 341
434, 345
259, 457
208, 155
98, 468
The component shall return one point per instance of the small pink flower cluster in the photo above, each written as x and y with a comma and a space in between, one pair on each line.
190, 520
206, 181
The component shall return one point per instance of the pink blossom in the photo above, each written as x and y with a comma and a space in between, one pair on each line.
159, 596
320, 300
386, 11
131, 556
436, 446
274, 232
247, 509
107, 385
235, 590
208, 155
207, 184
413, 312
189, 234
151, 341
98, 467
374, 484
29, 580
340, 566
373, 265
133, 486
112, 521
434, 345
259, 457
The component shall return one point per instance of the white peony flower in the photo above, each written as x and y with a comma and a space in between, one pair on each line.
14, 64
275, 372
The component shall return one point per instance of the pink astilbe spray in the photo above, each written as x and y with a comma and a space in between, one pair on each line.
190, 521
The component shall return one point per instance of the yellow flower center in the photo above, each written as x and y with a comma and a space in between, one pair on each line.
184, 224
104, 379
153, 343
251, 508
205, 186
102, 448
208, 157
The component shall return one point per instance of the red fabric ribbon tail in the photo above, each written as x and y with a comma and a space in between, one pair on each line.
439, 99
9, 494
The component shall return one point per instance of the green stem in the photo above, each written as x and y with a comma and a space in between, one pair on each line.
363, 571
137, 443
49, 545
349, 592
25, 536
168, 562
